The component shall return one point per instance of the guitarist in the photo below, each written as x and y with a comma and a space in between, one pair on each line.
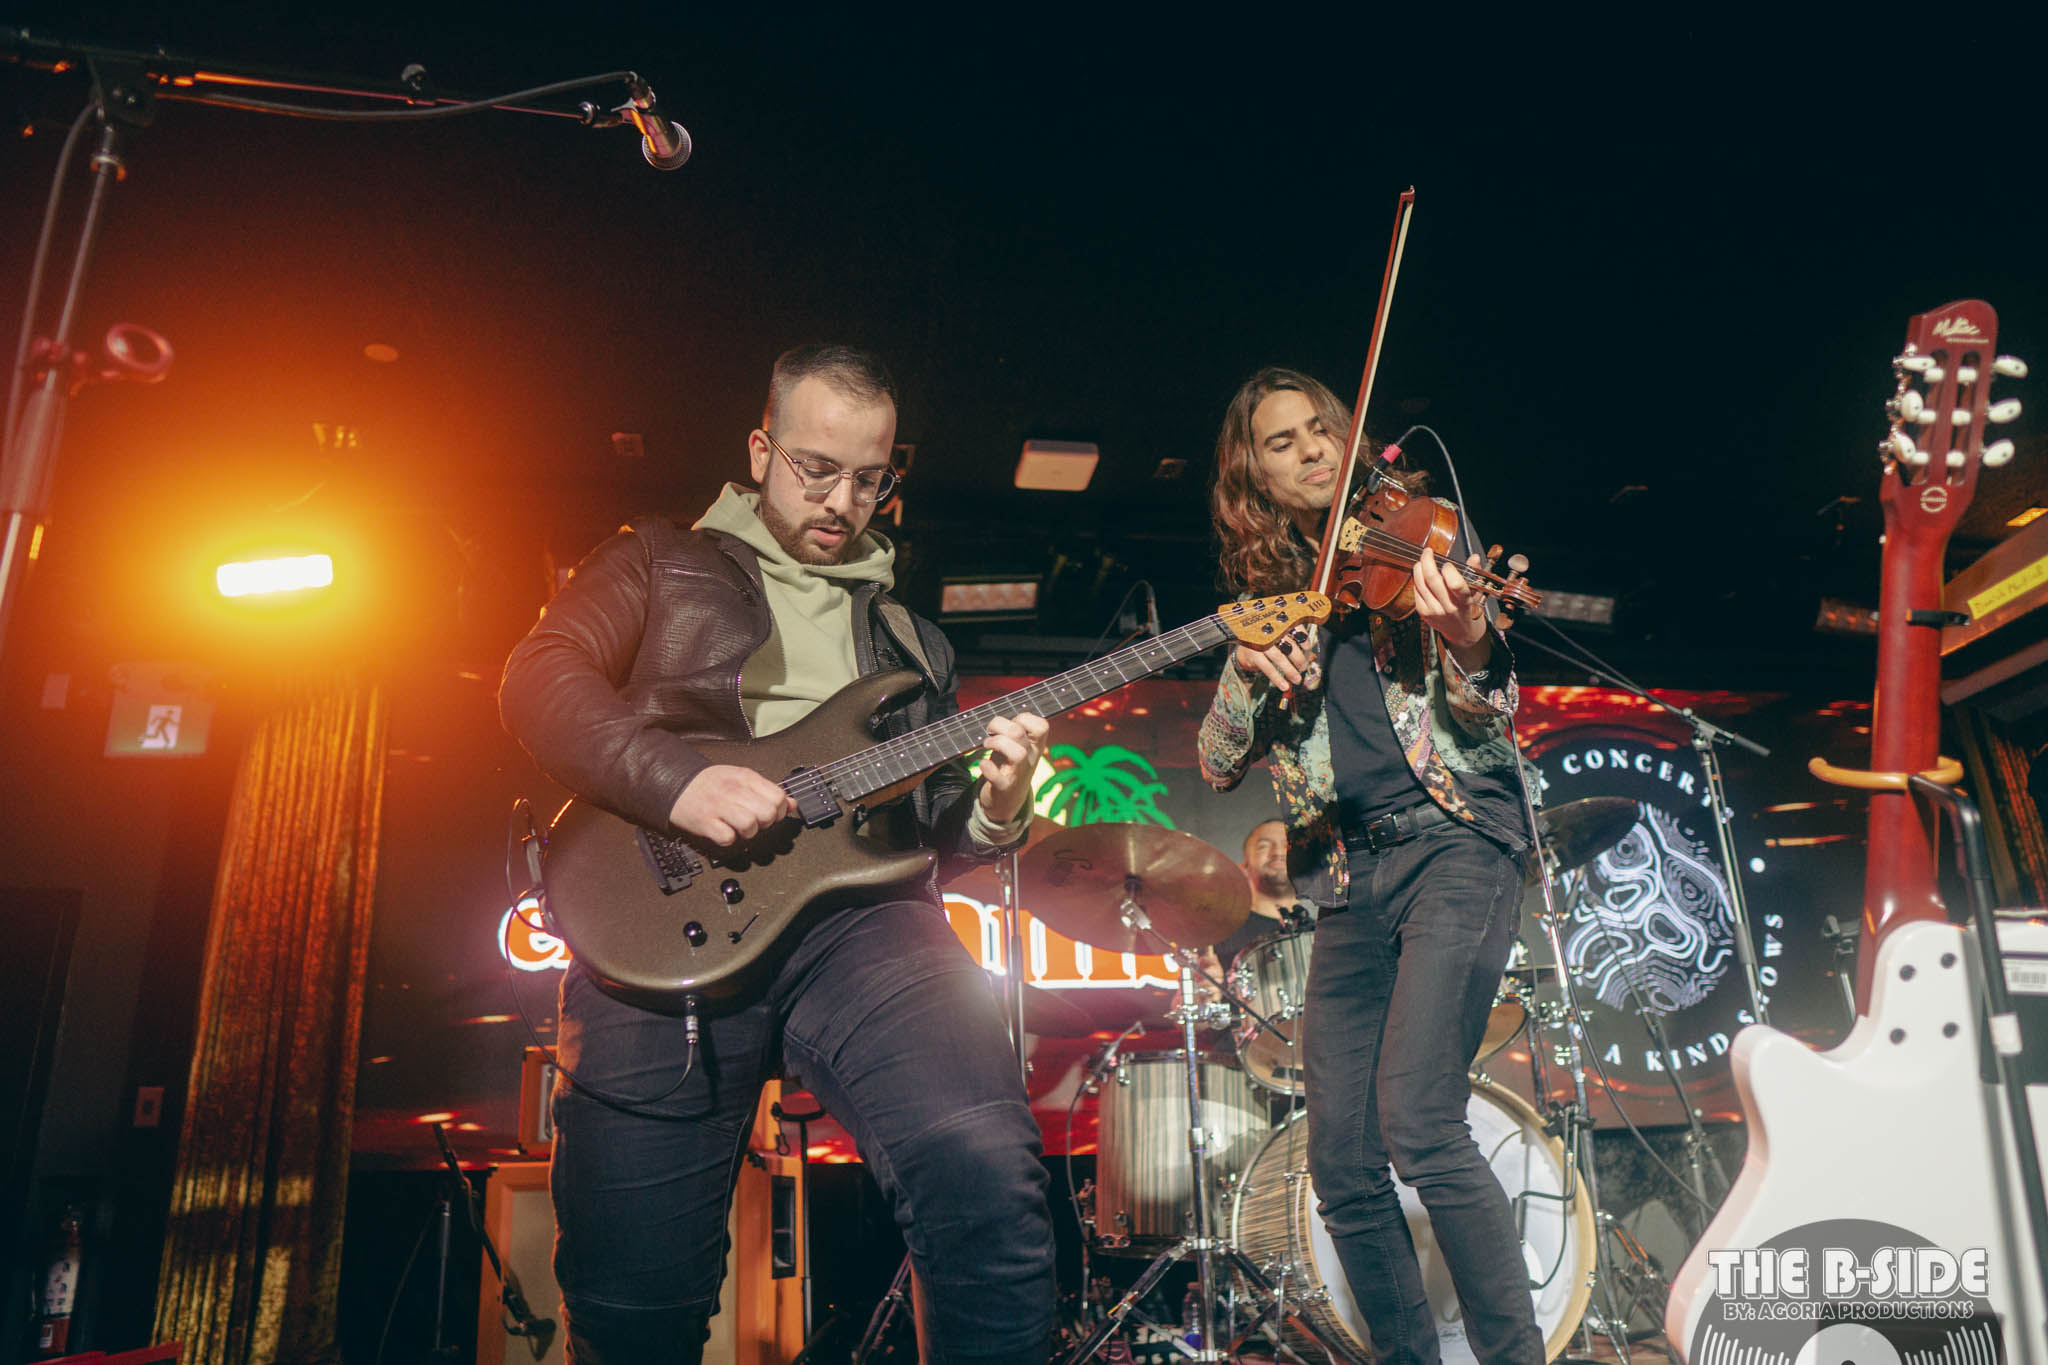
1399, 786
739, 626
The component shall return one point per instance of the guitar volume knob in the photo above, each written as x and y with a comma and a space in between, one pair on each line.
730, 890
694, 933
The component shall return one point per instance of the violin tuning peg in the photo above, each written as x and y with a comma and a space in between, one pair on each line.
1518, 565
2011, 366
1492, 557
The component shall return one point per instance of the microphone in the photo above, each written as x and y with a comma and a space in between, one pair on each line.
665, 143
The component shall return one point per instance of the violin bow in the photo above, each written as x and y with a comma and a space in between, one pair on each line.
1347, 474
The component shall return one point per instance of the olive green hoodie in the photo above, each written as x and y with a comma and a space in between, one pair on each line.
809, 653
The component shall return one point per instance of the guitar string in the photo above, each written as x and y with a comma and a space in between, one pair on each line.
972, 724
958, 730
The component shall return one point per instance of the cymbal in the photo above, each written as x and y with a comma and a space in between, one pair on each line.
1579, 831
1076, 880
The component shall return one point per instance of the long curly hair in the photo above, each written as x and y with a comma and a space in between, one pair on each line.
1262, 550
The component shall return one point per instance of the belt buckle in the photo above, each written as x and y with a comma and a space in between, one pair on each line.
1383, 833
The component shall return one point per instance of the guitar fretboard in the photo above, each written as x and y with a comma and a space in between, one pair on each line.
893, 761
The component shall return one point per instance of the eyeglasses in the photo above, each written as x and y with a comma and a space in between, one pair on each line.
820, 476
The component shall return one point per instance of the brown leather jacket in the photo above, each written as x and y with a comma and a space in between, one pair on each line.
640, 652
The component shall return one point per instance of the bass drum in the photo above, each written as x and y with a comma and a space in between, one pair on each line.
1274, 1222
1272, 973
1144, 1177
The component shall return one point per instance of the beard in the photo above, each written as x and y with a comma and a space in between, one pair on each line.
790, 535
1273, 882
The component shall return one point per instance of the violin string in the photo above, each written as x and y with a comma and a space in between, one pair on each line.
1406, 552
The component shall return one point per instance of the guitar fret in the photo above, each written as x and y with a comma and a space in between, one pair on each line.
894, 760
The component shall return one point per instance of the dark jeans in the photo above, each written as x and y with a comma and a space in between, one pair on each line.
1398, 994
889, 1023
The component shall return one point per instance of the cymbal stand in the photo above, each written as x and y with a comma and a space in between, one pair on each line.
1203, 1246
1698, 1152
1013, 1015
1577, 1121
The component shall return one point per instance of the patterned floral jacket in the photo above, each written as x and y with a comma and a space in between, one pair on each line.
1447, 721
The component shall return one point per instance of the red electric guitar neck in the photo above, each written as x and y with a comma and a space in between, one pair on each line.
1931, 460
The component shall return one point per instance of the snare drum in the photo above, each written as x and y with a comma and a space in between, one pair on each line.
1272, 974
1274, 1222
1144, 1182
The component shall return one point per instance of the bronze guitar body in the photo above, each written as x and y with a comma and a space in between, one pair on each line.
653, 942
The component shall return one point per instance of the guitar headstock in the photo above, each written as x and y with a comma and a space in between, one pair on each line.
1938, 415
1263, 620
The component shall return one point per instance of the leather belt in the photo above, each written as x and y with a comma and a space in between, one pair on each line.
1382, 834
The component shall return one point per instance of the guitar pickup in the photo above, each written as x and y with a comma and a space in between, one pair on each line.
815, 803
671, 859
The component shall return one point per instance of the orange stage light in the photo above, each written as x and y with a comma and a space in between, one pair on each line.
248, 578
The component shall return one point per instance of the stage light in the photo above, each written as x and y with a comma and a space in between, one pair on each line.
2027, 517
987, 599
1586, 608
1060, 466
247, 578
1837, 617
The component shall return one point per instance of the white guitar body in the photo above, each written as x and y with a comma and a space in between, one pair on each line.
1895, 1125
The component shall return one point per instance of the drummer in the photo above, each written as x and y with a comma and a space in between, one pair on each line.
1275, 906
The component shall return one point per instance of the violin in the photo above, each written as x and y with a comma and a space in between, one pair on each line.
1382, 536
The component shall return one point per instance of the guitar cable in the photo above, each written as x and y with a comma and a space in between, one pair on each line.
525, 848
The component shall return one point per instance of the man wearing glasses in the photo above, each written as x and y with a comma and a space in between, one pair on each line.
772, 602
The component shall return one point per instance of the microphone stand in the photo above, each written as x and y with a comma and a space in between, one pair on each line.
519, 1318
126, 85
1705, 735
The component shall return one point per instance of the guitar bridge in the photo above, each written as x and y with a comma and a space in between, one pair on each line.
671, 859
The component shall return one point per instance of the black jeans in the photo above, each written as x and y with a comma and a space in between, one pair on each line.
889, 1023
1398, 993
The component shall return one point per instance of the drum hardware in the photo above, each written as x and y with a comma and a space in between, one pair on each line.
1273, 971
1203, 1246
1574, 1121
1699, 1153
1274, 1222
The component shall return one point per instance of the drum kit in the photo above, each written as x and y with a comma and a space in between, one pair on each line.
1202, 1151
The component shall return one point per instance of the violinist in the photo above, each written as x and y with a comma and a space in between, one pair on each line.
1398, 780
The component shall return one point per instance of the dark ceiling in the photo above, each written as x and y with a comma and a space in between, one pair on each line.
1655, 275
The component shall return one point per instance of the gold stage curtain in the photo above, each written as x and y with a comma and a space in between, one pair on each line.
252, 1256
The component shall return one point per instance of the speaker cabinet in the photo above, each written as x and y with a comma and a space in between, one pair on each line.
761, 1305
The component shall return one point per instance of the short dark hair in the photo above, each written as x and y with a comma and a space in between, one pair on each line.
1269, 820
854, 373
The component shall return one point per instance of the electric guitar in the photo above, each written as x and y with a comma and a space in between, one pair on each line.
1892, 1135
658, 917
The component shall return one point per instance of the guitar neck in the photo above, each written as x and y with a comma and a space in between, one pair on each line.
893, 761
